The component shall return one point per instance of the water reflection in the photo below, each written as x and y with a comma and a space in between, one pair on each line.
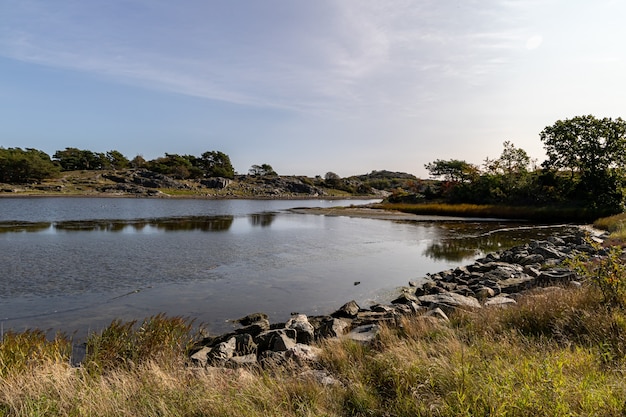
462, 241
191, 223
262, 219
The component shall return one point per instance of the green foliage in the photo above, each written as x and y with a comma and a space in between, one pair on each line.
125, 345
594, 151
30, 349
453, 170
216, 164
262, 170
21, 166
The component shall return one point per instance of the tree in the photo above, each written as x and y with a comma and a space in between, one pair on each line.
21, 166
594, 151
332, 180
453, 170
117, 160
262, 170
216, 164
585, 145
512, 161
73, 159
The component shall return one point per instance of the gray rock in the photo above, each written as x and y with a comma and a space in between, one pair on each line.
364, 334
305, 333
333, 327
222, 352
449, 300
405, 298
348, 310
499, 301
200, 358
303, 353
437, 313
276, 340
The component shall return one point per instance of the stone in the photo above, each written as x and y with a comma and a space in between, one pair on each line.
405, 298
303, 353
499, 301
437, 313
244, 345
252, 318
450, 300
200, 358
364, 334
321, 377
255, 328
276, 340
222, 352
333, 327
305, 333
348, 310
485, 292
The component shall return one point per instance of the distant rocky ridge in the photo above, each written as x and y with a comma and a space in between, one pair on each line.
145, 183
494, 281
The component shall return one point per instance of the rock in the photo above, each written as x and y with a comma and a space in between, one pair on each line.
244, 345
348, 310
485, 292
450, 300
252, 318
555, 276
222, 352
245, 360
255, 328
303, 353
333, 327
499, 301
405, 298
321, 377
305, 333
364, 334
200, 358
437, 313
276, 340
216, 182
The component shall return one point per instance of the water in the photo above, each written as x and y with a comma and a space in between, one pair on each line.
76, 264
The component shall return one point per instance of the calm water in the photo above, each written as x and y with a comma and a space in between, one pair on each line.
75, 264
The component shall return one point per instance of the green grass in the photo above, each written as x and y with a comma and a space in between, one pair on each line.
615, 225
544, 214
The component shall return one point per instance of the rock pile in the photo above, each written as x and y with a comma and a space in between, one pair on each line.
494, 280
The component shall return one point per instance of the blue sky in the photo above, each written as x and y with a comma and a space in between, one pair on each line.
348, 86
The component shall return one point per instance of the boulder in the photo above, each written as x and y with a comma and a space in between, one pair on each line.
276, 340
305, 333
449, 300
348, 310
499, 301
333, 327
364, 334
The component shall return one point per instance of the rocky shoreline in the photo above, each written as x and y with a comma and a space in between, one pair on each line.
495, 281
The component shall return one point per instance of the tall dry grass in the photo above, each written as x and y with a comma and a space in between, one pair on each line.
556, 353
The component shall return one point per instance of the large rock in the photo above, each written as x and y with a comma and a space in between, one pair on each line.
305, 333
348, 310
449, 300
333, 327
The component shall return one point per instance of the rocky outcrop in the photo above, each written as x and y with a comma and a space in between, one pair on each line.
493, 281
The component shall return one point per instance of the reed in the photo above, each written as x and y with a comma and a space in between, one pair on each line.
556, 353
543, 214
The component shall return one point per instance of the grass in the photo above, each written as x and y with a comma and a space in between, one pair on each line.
543, 214
615, 225
556, 353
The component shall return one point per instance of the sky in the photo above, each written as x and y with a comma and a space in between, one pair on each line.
346, 86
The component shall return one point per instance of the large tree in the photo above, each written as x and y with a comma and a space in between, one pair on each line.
594, 151
20, 166
216, 164
452, 170
585, 144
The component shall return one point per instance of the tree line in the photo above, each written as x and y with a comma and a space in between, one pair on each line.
585, 165
31, 165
